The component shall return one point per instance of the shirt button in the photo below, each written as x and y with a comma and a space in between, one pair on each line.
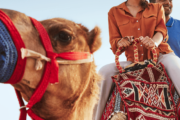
138, 28
141, 54
140, 45
137, 21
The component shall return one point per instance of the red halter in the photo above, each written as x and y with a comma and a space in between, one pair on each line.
50, 74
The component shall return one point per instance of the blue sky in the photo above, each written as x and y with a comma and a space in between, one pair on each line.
89, 13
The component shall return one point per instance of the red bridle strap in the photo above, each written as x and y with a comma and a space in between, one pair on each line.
46, 78
73, 55
51, 68
23, 112
50, 71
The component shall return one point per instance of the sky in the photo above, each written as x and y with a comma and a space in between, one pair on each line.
89, 13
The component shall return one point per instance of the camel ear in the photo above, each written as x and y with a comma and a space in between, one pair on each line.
94, 39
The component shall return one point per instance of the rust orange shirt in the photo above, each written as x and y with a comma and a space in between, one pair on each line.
146, 23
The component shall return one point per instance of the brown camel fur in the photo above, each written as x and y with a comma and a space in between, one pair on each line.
77, 92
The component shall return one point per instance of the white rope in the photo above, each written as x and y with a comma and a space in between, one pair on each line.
39, 58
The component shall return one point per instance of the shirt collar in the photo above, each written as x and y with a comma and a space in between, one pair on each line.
170, 22
124, 7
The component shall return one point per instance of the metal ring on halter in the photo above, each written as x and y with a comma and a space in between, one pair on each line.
22, 107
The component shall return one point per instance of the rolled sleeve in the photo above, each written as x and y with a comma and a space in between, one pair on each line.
161, 27
114, 33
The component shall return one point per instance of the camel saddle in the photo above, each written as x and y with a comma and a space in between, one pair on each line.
142, 91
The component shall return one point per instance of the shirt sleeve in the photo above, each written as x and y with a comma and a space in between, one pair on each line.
114, 33
160, 26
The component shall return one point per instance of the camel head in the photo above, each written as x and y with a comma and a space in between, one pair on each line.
74, 97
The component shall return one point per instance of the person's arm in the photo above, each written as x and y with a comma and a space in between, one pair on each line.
114, 33
157, 38
115, 37
160, 31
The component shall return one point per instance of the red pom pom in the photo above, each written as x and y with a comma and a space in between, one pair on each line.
150, 65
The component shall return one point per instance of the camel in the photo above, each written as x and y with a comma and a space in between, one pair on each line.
76, 94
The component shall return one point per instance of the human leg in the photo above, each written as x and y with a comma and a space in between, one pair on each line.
172, 65
106, 72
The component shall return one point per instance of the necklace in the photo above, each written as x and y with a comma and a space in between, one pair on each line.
131, 5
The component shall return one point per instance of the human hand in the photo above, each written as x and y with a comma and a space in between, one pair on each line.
147, 42
125, 42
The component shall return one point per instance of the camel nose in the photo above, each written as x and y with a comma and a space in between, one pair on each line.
8, 54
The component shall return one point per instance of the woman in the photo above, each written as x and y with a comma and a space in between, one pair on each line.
138, 19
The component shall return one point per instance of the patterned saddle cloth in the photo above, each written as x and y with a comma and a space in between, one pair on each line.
144, 94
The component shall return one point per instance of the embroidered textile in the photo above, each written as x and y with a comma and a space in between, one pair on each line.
145, 94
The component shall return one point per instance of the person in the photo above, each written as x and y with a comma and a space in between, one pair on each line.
172, 25
137, 19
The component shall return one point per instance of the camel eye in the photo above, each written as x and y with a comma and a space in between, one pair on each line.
63, 37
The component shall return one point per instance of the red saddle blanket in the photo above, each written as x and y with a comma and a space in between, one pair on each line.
145, 94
